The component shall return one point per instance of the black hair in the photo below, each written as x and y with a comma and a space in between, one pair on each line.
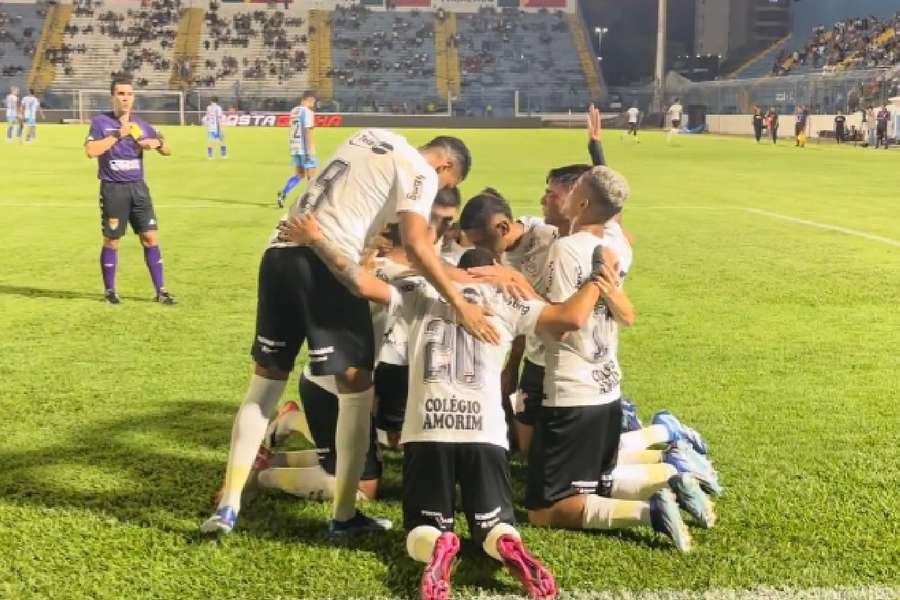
214, 99
448, 198
477, 212
119, 80
392, 233
457, 148
307, 94
567, 176
476, 257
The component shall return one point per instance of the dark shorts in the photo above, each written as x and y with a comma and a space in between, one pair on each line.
676, 123
300, 300
124, 203
798, 128
321, 408
632, 127
431, 471
531, 384
573, 452
391, 385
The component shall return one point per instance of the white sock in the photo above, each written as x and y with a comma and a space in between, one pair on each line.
296, 459
639, 457
247, 434
294, 422
306, 482
420, 542
639, 482
496, 532
606, 513
644, 438
351, 444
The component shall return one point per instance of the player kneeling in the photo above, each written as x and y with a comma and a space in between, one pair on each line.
455, 429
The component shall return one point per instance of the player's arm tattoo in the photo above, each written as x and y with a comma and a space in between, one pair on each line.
345, 270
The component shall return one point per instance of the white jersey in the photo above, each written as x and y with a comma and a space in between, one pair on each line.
676, 111
302, 120
389, 335
451, 251
213, 118
12, 105
633, 114
530, 258
373, 176
30, 106
583, 368
454, 380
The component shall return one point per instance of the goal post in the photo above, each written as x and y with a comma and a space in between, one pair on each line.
165, 107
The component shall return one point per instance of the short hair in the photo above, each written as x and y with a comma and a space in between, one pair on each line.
607, 190
307, 94
476, 257
568, 175
30, 91
214, 99
455, 147
479, 210
119, 80
448, 198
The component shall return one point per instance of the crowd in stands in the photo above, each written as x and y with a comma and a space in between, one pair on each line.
142, 36
14, 34
850, 44
286, 56
408, 34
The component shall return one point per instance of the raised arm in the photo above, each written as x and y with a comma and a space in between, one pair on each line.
595, 130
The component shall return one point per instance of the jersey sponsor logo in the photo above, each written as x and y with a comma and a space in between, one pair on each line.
125, 165
453, 413
518, 305
416, 192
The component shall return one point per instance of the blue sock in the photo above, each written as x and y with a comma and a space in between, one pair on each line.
223, 150
19, 132
9, 132
209, 152
291, 184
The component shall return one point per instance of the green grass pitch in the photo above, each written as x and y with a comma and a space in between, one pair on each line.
772, 332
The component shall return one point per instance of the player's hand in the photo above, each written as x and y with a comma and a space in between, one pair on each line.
474, 319
511, 282
303, 230
125, 129
150, 144
594, 123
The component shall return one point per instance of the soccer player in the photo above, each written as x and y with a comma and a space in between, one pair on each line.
30, 108
801, 119
375, 178
881, 129
758, 123
840, 125
455, 430
118, 139
772, 124
675, 114
634, 115
577, 433
12, 112
303, 152
215, 133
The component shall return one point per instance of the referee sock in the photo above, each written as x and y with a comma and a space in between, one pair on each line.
420, 542
644, 438
153, 258
250, 425
497, 531
639, 482
291, 184
351, 445
605, 513
109, 260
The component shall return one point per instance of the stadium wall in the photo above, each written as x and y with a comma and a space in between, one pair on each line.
742, 124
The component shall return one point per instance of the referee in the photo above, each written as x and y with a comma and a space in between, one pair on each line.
117, 139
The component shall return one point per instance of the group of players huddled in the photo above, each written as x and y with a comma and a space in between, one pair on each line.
417, 318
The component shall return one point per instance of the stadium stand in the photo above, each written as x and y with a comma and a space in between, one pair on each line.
20, 32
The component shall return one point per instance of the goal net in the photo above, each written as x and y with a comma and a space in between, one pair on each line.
163, 107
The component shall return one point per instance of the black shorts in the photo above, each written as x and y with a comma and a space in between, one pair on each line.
299, 300
124, 203
798, 128
431, 471
531, 384
573, 452
321, 408
632, 127
391, 385
676, 123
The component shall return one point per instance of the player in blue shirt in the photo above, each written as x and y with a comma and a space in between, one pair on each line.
303, 153
12, 111
214, 131
31, 106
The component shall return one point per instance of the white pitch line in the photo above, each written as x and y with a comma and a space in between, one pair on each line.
839, 229
760, 593
224, 205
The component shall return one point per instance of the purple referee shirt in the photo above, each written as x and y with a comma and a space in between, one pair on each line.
124, 162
